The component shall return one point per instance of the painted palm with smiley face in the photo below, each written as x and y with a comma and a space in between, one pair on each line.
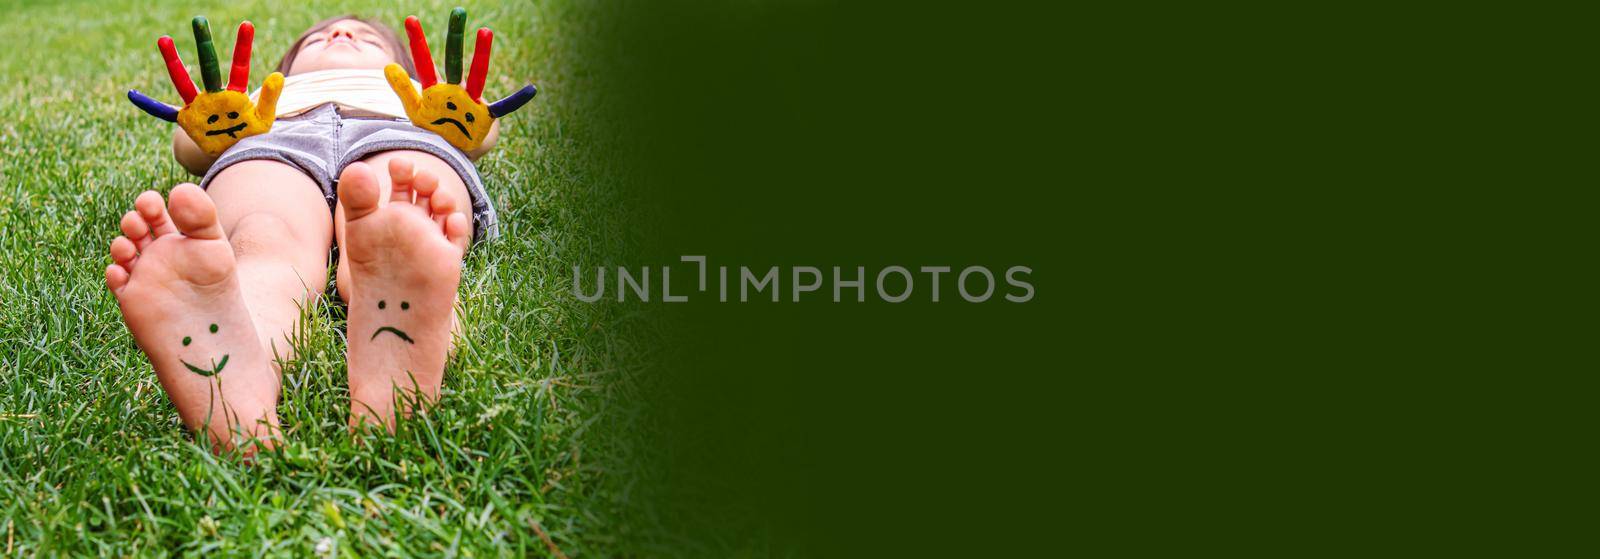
219, 117
455, 112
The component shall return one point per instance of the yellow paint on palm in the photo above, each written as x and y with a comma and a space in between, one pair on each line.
217, 120
444, 109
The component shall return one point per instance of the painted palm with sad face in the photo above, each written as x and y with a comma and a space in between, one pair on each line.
450, 112
453, 109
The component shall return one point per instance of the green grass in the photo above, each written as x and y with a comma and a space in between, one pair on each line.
92, 457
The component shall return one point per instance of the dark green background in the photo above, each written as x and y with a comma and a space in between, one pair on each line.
1261, 240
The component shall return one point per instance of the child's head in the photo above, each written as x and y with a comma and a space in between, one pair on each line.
346, 41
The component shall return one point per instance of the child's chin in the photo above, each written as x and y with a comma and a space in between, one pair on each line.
340, 58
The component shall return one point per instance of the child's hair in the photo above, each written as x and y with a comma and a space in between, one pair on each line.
393, 41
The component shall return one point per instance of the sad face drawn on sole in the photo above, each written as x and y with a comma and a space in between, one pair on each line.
404, 305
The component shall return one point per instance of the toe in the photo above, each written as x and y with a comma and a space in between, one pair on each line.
442, 204
116, 277
135, 229
358, 191
427, 185
458, 229
402, 173
341, 278
123, 251
194, 213
150, 207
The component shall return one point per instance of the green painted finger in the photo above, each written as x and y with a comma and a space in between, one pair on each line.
453, 45
210, 72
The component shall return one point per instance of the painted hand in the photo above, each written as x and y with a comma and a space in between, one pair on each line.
457, 114
218, 118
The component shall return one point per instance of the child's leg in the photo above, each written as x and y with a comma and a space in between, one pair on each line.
280, 229
403, 226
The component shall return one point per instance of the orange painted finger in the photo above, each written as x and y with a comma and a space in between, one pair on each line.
180, 75
239, 77
420, 54
480, 64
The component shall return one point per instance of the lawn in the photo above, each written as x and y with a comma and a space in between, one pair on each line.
522, 458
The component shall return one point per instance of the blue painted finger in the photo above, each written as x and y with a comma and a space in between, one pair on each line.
155, 108
513, 101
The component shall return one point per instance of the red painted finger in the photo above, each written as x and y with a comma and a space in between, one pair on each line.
480, 64
420, 54
180, 75
239, 78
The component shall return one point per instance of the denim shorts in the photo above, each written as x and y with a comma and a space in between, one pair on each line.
321, 142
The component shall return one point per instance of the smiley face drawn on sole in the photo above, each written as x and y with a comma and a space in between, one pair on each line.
215, 368
404, 305
216, 365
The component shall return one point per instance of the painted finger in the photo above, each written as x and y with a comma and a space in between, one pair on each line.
401, 84
513, 101
239, 78
155, 108
452, 45
175, 70
210, 73
480, 64
267, 103
420, 54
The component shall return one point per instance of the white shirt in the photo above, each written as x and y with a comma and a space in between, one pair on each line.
356, 93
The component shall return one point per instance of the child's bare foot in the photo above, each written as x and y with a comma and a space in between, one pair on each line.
174, 278
405, 265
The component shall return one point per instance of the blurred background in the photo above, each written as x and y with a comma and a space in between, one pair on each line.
1258, 325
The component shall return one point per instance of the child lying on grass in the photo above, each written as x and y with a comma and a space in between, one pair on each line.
211, 283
